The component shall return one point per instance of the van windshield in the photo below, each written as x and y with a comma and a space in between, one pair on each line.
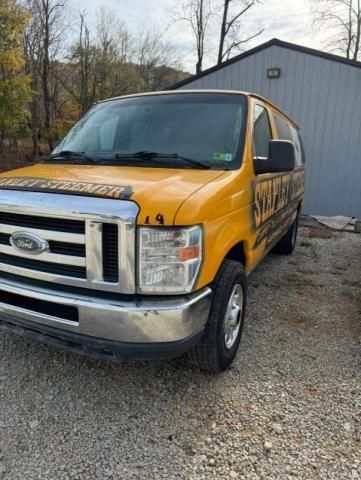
160, 130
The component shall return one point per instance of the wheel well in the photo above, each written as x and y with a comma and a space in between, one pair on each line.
237, 253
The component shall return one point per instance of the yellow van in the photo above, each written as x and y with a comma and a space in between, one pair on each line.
134, 239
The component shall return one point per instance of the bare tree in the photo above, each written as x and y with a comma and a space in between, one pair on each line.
343, 19
197, 14
113, 48
48, 27
32, 47
114, 63
230, 39
80, 81
85, 60
153, 53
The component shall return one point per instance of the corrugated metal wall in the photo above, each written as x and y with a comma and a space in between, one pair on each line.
324, 97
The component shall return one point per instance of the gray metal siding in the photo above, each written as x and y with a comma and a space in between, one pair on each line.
324, 98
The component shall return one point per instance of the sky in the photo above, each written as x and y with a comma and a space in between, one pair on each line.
288, 20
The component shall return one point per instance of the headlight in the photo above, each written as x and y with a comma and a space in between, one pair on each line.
169, 259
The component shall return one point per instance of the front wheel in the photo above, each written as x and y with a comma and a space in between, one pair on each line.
223, 330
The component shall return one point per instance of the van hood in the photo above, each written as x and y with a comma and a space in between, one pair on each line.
159, 192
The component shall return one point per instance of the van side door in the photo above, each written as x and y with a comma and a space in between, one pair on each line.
271, 191
287, 131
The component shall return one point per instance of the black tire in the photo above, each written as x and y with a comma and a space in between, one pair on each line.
211, 353
287, 244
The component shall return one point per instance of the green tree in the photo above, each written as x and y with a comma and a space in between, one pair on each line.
15, 91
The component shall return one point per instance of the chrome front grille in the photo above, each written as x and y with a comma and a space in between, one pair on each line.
91, 241
62, 244
50, 267
46, 223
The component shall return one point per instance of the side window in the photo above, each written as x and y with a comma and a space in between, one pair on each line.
261, 132
288, 132
298, 147
283, 128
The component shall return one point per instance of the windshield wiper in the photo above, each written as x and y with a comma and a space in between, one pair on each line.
81, 157
70, 156
145, 154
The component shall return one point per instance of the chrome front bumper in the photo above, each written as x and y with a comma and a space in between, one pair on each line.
138, 320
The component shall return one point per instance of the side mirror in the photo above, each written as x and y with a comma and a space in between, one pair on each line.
281, 158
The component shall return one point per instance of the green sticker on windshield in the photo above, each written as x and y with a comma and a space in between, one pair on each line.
222, 157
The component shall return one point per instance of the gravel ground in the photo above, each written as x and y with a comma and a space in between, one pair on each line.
288, 408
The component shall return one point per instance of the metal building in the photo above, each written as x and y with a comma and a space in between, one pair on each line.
322, 93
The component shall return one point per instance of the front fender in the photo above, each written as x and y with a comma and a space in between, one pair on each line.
223, 207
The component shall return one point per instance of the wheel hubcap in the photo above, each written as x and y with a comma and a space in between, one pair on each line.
233, 317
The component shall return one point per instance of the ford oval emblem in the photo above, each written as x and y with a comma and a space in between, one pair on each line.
25, 242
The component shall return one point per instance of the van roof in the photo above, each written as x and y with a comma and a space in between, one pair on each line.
180, 92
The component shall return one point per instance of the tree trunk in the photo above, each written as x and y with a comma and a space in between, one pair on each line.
199, 66
34, 139
349, 32
2, 141
45, 79
223, 32
358, 32
200, 39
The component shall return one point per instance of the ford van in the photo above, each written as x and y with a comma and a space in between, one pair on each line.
135, 237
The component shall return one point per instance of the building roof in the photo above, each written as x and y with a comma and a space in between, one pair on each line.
263, 46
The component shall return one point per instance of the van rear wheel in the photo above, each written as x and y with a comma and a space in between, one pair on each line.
287, 244
219, 344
